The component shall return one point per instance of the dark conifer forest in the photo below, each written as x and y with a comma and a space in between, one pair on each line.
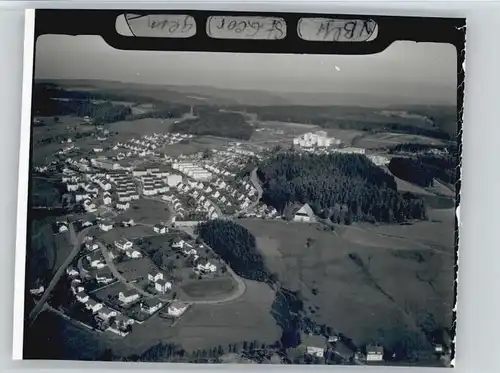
326, 181
236, 245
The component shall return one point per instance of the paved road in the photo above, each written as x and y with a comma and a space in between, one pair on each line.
122, 279
77, 244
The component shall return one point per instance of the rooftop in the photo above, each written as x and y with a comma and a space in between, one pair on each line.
314, 340
374, 350
151, 302
128, 293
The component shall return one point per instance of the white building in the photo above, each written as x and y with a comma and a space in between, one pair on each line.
93, 306
153, 277
177, 309
162, 286
123, 244
173, 179
150, 306
123, 205
128, 296
82, 297
133, 253
107, 199
207, 267
304, 214
105, 226
350, 150
160, 229
374, 353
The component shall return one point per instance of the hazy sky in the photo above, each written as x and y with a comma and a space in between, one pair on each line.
417, 70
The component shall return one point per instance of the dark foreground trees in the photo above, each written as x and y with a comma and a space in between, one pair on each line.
236, 245
337, 182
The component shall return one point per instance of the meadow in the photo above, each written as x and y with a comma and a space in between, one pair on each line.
368, 282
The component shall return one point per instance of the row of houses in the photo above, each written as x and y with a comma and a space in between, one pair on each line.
318, 345
176, 203
192, 170
203, 203
100, 311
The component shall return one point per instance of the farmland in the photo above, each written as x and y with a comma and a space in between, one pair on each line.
146, 211
208, 289
247, 318
140, 127
344, 278
384, 139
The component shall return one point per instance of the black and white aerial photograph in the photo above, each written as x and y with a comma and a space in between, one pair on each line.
242, 208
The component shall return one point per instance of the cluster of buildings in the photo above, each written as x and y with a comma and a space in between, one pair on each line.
177, 204
318, 346
188, 250
104, 163
127, 247
160, 284
125, 189
263, 211
194, 190
155, 181
349, 150
103, 314
318, 139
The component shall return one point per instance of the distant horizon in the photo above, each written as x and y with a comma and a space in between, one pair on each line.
243, 89
406, 72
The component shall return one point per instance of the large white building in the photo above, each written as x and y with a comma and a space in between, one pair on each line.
103, 162
350, 150
173, 179
193, 171
317, 139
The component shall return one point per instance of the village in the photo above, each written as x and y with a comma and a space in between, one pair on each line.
130, 194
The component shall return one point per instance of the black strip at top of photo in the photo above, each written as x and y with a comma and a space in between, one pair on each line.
390, 29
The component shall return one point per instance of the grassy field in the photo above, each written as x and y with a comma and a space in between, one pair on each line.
388, 139
352, 279
247, 318
140, 127
130, 233
103, 294
205, 326
136, 269
146, 211
208, 288
63, 247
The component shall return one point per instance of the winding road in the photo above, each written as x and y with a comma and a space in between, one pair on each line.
256, 183
77, 245
122, 279
241, 283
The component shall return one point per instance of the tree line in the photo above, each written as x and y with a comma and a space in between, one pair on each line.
423, 169
412, 170
337, 181
237, 246
222, 124
354, 118
101, 113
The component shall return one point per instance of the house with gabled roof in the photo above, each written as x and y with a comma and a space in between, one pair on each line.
128, 296
151, 305
305, 214
162, 286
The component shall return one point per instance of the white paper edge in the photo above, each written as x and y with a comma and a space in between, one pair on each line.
23, 180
